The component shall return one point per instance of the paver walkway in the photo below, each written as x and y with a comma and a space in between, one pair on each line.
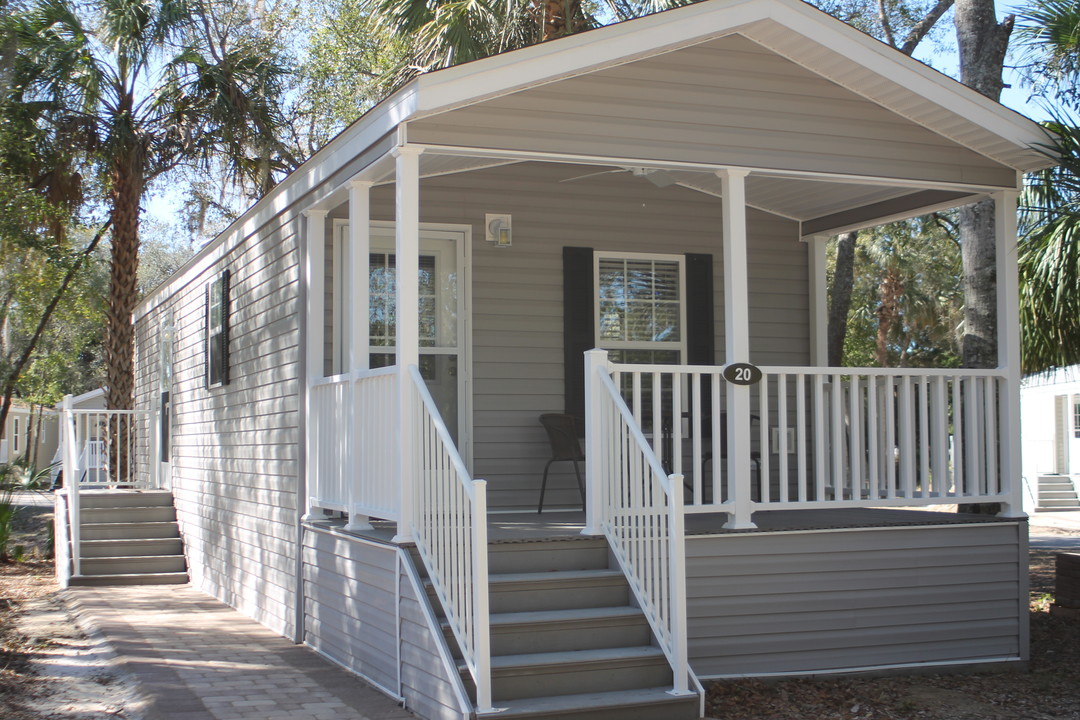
198, 659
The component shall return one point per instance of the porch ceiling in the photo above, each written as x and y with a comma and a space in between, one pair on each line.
822, 206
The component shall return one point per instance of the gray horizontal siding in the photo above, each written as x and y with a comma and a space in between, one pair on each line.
517, 293
352, 615
234, 448
730, 102
835, 600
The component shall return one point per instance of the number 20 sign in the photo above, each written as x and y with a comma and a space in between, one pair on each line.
742, 374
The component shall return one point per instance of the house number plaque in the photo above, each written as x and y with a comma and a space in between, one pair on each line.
742, 374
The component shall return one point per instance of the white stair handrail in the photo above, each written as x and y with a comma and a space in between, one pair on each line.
450, 527
628, 502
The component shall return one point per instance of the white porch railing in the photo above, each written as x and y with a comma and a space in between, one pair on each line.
827, 437
102, 449
450, 527
640, 511
355, 443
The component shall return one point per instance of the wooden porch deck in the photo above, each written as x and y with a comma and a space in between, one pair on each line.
555, 525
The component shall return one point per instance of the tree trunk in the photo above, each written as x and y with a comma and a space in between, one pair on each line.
982, 42
123, 289
888, 311
840, 297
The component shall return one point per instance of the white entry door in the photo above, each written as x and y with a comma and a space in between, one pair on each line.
443, 320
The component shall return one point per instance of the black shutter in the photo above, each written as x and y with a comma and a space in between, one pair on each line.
207, 341
578, 331
226, 308
700, 328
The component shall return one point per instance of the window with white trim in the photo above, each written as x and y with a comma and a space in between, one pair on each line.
217, 331
641, 307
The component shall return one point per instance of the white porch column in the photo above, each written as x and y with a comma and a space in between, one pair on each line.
596, 360
315, 319
819, 301
356, 319
737, 344
1008, 322
407, 299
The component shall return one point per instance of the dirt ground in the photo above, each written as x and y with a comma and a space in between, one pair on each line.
50, 670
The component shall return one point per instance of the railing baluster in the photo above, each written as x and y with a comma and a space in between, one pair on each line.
939, 447
820, 452
873, 459
764, 479
959, 478
890, 437
782, 440
836, 398
993, 478
718, 468
695, 435
854, 433
923, 443
971, 416
907, 439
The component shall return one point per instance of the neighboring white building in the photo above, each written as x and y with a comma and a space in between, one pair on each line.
1050, 427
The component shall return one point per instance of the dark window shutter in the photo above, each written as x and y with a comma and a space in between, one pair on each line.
578, 331
207, 340
700, 327
226, 309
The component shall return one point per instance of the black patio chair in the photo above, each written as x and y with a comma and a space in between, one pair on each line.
564, 433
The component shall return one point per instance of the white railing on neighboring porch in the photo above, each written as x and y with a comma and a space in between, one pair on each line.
355, 443
102, 449
826, 437
450, 527
639, 508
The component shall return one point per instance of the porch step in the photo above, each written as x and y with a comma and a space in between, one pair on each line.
644, 704
558, 590
568, 630
583, 554
177, 578
128, 514
129, 537
125, 498
1057, 492
132, 547
129, 531
577, 672
134, 565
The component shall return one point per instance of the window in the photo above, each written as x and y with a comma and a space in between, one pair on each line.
15, 435
217, 331
640, 308
1076, 418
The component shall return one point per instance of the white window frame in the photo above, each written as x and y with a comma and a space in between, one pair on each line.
629, 345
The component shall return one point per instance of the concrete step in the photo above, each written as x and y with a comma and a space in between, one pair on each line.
568, 630
1055, 504
574, 673
561, 590
548, 556
132, 530
125, 498
132, 547
1069, 494
644, 704
176, 578
151, 565
159, 513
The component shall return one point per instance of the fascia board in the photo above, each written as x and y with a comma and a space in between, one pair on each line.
910, 74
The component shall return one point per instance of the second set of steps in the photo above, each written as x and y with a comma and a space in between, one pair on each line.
1057, 492
129, 537
567, 642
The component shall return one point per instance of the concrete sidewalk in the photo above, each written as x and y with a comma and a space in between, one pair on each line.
194, 658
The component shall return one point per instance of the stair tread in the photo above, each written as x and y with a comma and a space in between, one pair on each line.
604, 573
593, 701
639, 652
539, 616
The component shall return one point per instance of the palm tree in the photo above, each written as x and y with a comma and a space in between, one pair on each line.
441, 33
1050, 258
150, 85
